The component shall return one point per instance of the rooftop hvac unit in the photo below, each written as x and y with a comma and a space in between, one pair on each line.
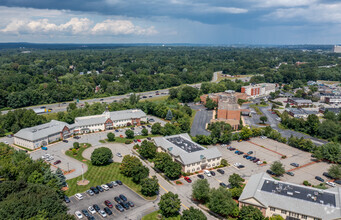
275, 182
309, 195
321, 201
290, 193
297, 192
316, 193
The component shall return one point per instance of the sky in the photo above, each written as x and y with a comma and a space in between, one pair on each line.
171, 21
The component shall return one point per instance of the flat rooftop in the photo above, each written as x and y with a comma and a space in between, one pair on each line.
303, 193
184, 144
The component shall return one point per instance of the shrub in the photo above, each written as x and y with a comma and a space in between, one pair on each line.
264, 162
178, 182
128, 142
306, 183
223, 162
76, 145
284, 156
74, 151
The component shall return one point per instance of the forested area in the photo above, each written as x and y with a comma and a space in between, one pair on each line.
29, 189
49, 76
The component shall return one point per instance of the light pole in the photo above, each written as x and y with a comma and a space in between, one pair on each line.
68, 168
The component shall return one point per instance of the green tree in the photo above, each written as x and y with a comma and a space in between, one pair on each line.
330, 151
192, 213
173, 170
169, 204
169, 115
221, 201
129, 133
74, 151
101, 156
235, 180
263, 119
278, 168
147, 149
201, 190
128, 164
139, 173
236, 192
149, 186
210, 104
76, 145
276, 217
156, 128
144, 132
111, 136
36, 177
335, 171
250, 213
188, 94
161, 160
245, 133
134, 99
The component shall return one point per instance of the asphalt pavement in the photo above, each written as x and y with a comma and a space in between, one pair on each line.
202, 117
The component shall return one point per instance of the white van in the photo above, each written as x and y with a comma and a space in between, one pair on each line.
208, 173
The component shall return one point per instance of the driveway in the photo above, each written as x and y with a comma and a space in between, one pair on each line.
201, 118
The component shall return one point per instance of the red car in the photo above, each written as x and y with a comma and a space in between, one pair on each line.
108, 203
57, 162
188, 179
138, 140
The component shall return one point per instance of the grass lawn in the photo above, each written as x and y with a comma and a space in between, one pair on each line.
193, 116
51, 116
98, 175
156, 99
255, 107
123, 140
28, 149
153, 216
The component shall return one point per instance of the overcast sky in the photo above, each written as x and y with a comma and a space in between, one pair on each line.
171, 21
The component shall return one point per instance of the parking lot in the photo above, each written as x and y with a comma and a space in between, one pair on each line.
266, 150
140, 203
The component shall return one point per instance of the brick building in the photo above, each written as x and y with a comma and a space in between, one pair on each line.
259, 89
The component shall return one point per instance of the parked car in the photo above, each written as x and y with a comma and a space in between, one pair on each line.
94, 189
114, 183
57, 162
138, 140
240, 152
248, 157
65, 141
188, 179
223, 185
207, 173
76, 137
270, 172
250, 152
119, 182
236, 152
124, 199
99, 188
119, 207
105, 187
108, 211
245, 156
91, 210
102, 213
149, 138
125, 205
290, 173
338, 182
131, 204
331, 184
90, 192
117, 199
79, 196
200, 176
96, 207
78, 214
220, 171
91, 218
295, 164
85, 213
259, 162
327, 175
319, 178
241, 166
230, 148
119, 154
66, 199
256, 160
212, 173
108, 203
110, 185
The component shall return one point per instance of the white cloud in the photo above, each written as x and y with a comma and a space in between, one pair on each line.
282, 3
316, 13
77, 26
228, 10
118, 27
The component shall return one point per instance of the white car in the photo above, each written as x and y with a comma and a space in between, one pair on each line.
208, 173
6, 142
119, 154
331, 184
92, 210
79, 196
79, 214
51, 158
259, 162
237, 164
102, 213
105, 187
43, 157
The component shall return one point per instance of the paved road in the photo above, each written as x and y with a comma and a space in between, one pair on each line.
201, 118
274, 124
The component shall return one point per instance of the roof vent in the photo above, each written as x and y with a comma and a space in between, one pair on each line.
321, 201
309, 195
34, 130
275, 182
298, 192
316, 193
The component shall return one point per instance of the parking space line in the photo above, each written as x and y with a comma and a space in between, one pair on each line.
266, 148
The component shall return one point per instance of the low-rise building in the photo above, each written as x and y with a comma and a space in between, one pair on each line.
259, 89
335, 110
300, 102
291, 201
44, 134
333, 100
189, 154
301, 113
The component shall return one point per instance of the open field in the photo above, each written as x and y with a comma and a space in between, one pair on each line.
153, 216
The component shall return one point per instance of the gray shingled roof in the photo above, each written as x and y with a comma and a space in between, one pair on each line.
90, 120
42, 131
127, 114
253, 190
186, 157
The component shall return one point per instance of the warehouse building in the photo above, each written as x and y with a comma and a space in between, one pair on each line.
189, 154
289, 200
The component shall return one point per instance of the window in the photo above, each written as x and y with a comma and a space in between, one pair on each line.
198, 168
272, 209
304, 217
213, 164
193, 170
284, 212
